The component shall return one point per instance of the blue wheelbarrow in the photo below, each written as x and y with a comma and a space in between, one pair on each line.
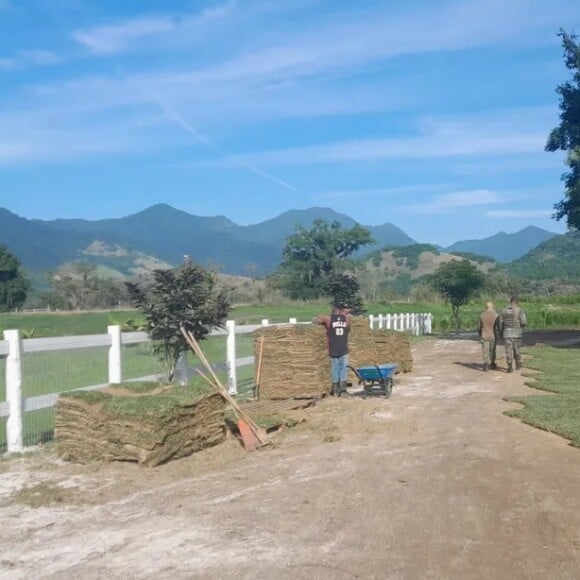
376, 380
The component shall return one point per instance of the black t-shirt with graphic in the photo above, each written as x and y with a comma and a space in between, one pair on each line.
338, 335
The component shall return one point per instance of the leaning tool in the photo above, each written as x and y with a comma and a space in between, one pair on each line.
252, 435
259, 370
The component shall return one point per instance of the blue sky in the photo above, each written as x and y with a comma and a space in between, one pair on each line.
432, 115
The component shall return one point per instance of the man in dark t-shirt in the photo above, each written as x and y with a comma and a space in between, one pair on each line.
337, 329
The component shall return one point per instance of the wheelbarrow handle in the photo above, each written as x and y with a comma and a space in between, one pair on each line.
355, 372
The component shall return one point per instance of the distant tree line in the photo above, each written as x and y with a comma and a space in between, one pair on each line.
321, 262
14, 285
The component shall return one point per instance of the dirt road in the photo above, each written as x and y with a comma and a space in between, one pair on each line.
435, 483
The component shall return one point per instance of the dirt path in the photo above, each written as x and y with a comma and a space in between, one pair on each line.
435, 483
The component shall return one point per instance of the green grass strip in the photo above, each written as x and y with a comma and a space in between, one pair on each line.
559, 373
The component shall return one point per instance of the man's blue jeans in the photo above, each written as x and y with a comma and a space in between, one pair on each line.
339, 368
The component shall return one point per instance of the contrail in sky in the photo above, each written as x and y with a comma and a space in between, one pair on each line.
172, 114
188, 128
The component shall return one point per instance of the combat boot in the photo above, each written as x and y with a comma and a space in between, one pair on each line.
518, 366
493, 366
510, 369
342, 389
485, 367
334, 390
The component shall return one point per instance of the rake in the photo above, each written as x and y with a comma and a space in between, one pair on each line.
252, 435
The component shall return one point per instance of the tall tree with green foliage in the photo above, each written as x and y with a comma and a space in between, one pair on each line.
457, 281
566, 136
312, 256
14, 285
185, 296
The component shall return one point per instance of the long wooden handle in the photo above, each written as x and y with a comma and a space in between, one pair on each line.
260, 358
217, 384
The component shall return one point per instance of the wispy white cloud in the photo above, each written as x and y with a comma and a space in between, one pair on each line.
288, 52
480, 135
519, 213
384, 191
450, 202
116, 38
41, 138
8, 64
513, 164
280, 70
112, 39
25, 58
39, 57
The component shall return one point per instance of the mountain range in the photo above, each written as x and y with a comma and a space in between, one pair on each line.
161, 235
505, 247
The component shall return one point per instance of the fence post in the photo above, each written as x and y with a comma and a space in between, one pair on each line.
389, 322
380, 321
371, 321
14, 424
429, 323
293, 321
182, 372
265, 322
115, 366
231, 357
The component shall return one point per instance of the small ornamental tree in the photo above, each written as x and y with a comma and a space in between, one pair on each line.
345, 289
457, 281
185, 296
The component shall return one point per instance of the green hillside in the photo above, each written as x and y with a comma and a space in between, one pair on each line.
555, 259
398, 269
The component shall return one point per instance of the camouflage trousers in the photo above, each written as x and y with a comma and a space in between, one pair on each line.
488, 349
512, 350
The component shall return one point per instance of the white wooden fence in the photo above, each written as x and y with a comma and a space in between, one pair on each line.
14, 348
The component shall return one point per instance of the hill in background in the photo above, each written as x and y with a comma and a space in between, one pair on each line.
159, 237
163, 234
504, 247
398, 269
554, 259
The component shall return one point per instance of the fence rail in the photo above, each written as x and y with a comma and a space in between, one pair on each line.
14, 351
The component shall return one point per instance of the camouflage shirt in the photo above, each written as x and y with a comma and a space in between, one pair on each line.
513, 319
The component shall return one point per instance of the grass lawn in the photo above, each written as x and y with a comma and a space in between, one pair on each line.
40, 324
76, 323
64, 370
560, 374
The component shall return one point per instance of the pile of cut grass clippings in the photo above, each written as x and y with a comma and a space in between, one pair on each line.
376, 347
295, 362
143, 423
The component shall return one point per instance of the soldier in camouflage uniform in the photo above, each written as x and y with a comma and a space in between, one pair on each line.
513, 319
489, 332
